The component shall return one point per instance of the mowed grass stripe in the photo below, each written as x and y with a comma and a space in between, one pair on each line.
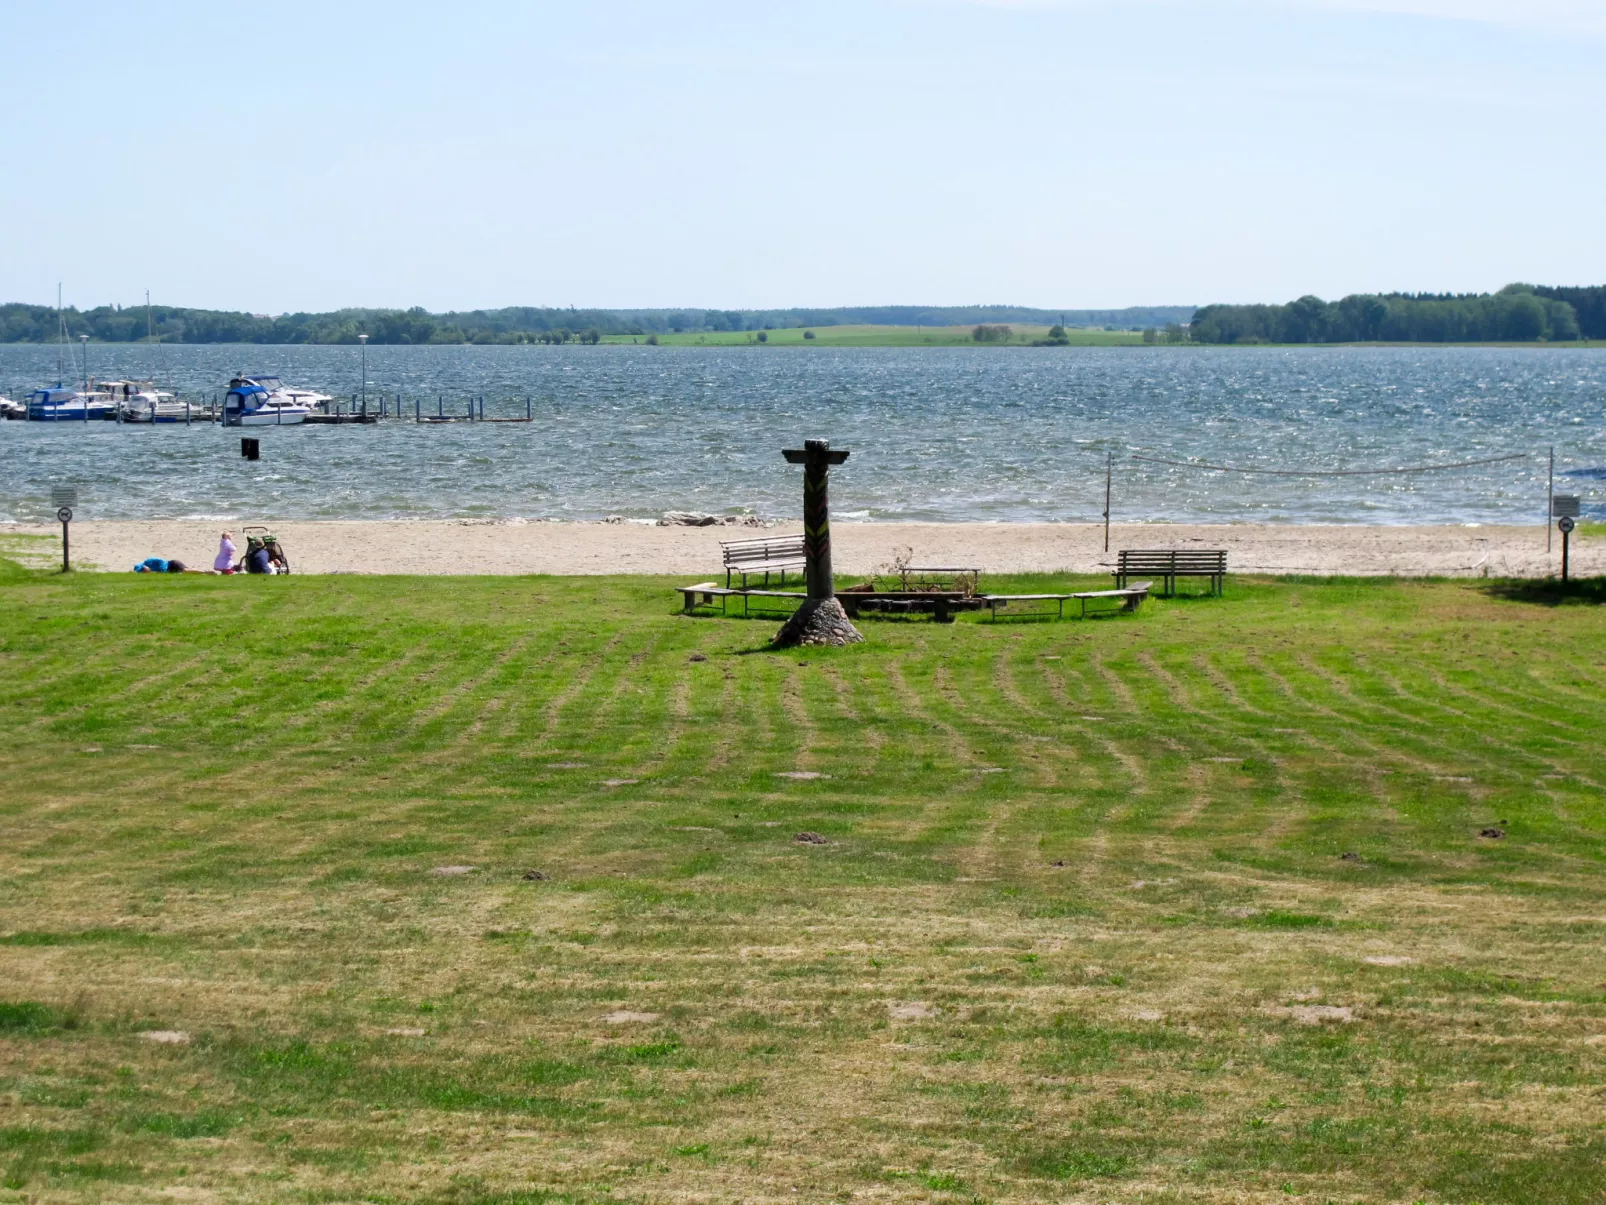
926, 1006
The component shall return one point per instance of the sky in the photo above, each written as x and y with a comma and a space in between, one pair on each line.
1056, 153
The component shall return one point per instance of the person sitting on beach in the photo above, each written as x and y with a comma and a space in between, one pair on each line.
224, 562
256, 558
276, 558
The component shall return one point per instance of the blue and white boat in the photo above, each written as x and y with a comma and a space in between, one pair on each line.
264, 401
60, 404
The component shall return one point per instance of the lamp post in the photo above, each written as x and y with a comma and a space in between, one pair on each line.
84, 343
363, 339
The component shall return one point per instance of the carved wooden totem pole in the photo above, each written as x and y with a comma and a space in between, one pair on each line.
821, 619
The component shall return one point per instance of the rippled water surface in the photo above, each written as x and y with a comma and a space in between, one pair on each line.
936, 434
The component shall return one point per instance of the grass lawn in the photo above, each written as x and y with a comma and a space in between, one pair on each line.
1187, 906
886, 336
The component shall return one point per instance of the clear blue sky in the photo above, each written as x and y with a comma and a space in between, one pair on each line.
293, 155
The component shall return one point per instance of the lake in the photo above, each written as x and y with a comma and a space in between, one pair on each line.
942, 434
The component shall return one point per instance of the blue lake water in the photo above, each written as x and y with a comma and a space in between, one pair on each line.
936, 434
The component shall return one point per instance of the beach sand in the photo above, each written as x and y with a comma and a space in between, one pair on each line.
475, 546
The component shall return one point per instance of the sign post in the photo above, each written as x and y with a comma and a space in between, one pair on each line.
821, 619
64, 498
1565, 509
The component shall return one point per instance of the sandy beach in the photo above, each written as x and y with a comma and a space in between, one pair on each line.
486, 547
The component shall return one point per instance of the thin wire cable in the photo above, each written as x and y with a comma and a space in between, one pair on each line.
1420, 468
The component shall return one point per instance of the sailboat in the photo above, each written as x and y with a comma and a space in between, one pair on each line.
141, 401
62, 403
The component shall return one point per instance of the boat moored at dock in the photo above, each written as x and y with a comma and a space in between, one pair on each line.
264, 401
61, 404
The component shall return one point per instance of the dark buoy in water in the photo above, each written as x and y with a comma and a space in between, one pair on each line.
251, 449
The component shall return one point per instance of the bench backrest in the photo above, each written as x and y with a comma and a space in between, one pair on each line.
760, 551
1172, 560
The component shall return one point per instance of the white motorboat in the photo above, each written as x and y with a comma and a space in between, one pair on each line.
11, 409
265, 401
142, 402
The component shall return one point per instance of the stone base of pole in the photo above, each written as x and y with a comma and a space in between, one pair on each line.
817, 621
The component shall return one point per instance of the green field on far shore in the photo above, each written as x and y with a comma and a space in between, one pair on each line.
885, 336
962, 336
512, 891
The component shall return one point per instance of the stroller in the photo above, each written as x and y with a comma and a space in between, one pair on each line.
257, 534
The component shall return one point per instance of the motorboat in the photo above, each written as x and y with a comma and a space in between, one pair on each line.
60, 404
265, 401
11, 409
142, 402
161, 408
279, 391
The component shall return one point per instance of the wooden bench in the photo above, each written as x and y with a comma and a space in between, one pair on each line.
769, 554
703, 594
1130, 598
1169, 564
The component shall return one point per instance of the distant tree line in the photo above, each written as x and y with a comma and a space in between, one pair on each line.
22, 323
1518, 313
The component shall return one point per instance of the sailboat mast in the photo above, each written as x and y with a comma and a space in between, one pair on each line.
61, 338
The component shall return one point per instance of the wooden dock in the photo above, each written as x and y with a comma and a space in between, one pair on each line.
340, 420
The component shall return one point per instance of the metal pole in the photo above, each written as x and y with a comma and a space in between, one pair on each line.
418, 410
440, 405
1109, 460
527, 413
66, 563
1550, 494
1566, 539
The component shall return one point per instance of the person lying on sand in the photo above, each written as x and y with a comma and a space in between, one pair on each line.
155, 564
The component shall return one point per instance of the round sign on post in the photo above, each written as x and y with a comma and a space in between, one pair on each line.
64, 513
1565, 524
